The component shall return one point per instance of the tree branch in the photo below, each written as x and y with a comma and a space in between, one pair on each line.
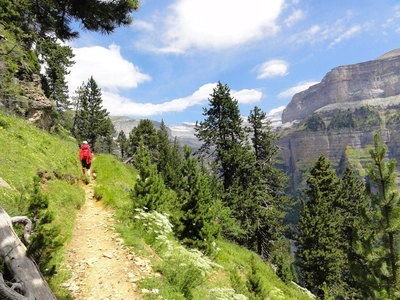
28, 226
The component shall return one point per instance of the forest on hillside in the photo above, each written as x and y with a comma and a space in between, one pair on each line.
347, 236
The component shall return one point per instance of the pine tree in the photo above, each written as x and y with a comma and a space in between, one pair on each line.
149, 191
164, 150
54, 18
91, 119
199, 223
384, 250
269, 189
105, 143
146, 132
222, 134
353, 205
226, 141
319, 242
122, 142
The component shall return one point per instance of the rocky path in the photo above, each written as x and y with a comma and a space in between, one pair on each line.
102, 267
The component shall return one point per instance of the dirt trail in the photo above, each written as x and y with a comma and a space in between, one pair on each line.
102, 267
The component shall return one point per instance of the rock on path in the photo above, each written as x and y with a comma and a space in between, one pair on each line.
102, 267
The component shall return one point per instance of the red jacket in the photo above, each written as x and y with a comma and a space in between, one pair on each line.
85, 152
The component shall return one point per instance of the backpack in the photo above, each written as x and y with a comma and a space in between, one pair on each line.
85, 153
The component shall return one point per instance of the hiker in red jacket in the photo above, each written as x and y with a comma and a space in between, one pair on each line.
85, 156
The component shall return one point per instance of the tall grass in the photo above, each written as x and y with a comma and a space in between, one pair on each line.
25, 152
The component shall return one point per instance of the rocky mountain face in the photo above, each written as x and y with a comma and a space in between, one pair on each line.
373, 86
376, 82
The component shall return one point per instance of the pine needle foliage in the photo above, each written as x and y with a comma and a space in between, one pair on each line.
91, 120
385, 200
319, 241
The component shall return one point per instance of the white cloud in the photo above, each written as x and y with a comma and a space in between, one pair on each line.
121, 106
276, 110
214, 25
247, 96
118, 105
289, 93
296, 16
110, 70
273, 68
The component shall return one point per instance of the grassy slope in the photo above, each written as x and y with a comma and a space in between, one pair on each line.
24, 150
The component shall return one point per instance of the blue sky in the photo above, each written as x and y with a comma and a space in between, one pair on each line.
165, 65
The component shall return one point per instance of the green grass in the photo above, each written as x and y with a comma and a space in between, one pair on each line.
26, 151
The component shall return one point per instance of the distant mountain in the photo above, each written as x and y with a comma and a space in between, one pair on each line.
350, 103
185, 132
374, 83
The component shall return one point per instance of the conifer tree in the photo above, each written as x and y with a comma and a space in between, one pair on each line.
91, 119
222, 134
226, 141
54, 18
319, 242
269, 188
149, 191
57, 59
147, 133
384, 249
164, 151
122, 142
354, 207
105, 143
199, 223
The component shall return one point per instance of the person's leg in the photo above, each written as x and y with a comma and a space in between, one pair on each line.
83, 162
88, 169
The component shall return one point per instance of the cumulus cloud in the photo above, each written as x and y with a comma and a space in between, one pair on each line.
247, 96
110, 70
118, 105
289, 93
273, 68
214, 25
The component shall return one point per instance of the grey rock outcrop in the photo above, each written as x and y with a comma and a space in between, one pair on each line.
40, 108
366, 82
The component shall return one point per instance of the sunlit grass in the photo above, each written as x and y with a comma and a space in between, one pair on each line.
25, 152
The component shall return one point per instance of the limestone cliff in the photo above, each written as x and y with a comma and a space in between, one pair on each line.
342, 92
375, 82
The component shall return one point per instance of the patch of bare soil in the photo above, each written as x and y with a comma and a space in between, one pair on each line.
102, 267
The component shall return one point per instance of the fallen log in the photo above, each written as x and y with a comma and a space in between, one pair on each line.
28, 283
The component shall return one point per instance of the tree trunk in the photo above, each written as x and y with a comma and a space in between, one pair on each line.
28, 283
